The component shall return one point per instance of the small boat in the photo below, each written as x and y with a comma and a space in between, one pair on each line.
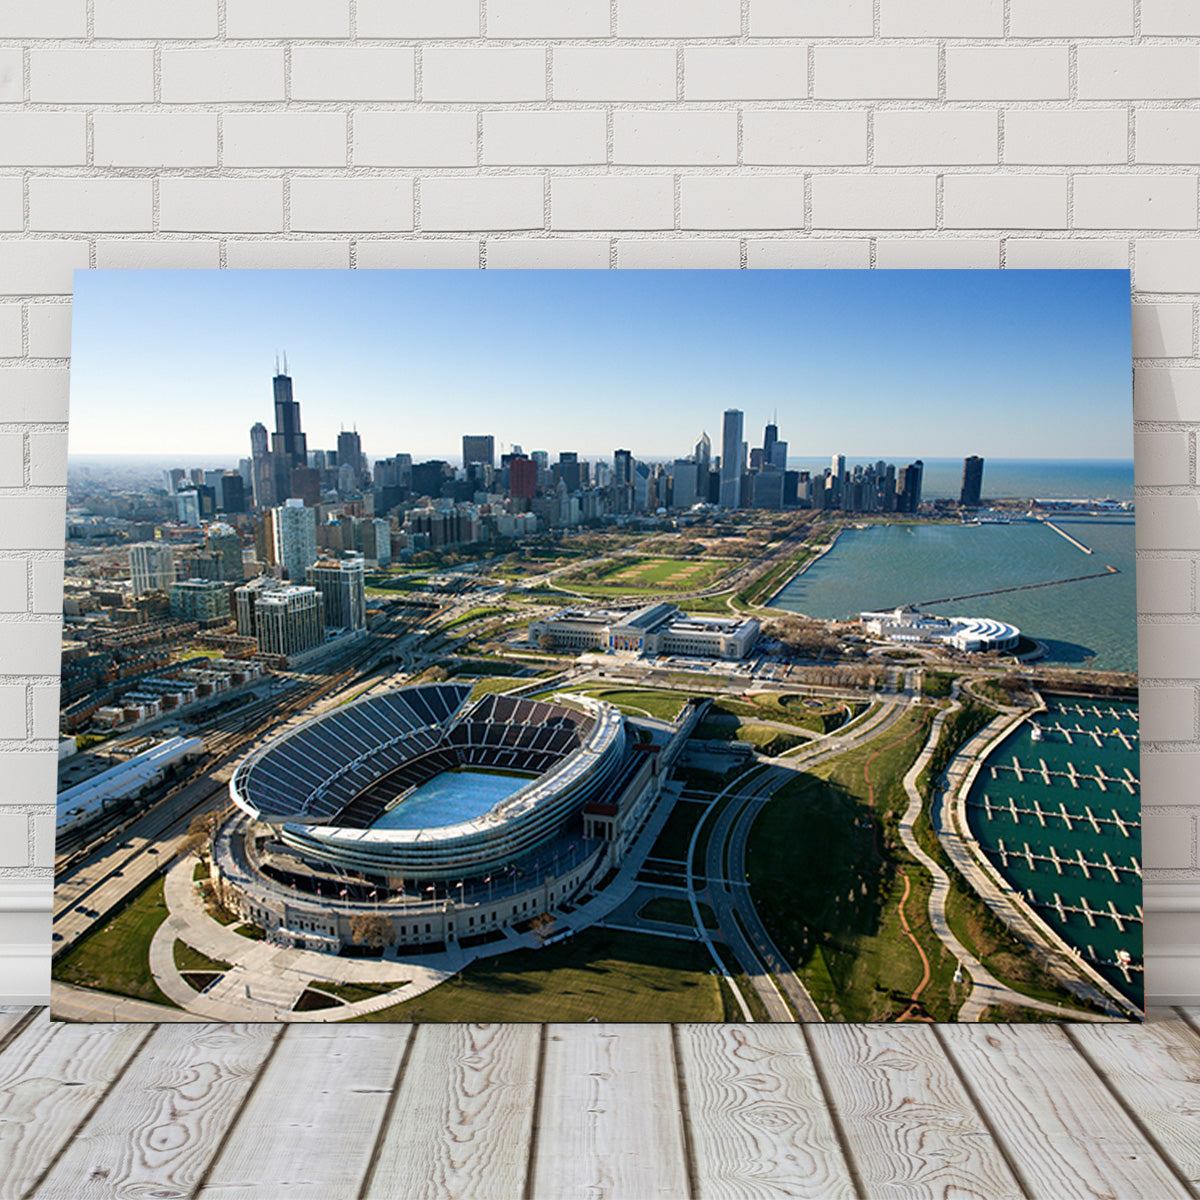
1036, 734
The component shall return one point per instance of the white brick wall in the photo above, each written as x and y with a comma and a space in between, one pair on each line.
586, 134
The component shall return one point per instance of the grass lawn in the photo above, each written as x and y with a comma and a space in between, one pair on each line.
603, 973
657, 702
672, 842
495, 683
188, 959
351, 992
937, 684
762, 737
116, 957
676, 912
617, 576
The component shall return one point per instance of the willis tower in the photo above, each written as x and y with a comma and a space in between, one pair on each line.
289, 446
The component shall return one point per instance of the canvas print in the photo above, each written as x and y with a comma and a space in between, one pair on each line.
617, 646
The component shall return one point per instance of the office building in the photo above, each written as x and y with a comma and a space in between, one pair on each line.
479, 448
305, 485
289, 620
341, 584
262, 467
172, 479
152, 567
522, 478
350, 456
246, 597
289, 446
908, 487
683, 483
203, 600
187, 506
731, 459
972, 482
295, 534
225, 541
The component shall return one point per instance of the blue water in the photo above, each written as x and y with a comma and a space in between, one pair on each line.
450, 799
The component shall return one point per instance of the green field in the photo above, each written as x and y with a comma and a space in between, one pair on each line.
189, 959
737, 729
116, 957
654, 702
602, 973
626, 574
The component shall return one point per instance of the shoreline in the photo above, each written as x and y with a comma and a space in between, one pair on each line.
770, 603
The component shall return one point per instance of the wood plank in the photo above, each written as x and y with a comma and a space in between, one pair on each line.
610, 1124
1060, 1126
757, 1116
908, 1124
51, 1076
160, 1126
11, 1020
1155, 1070
323, 1096
463, 1114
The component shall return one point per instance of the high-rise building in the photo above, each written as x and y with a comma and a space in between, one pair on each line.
703, 454
246, 597
349, 454
227, 542
908, 487
522, 478
262, 467
289, 446
172, 478
295, 531
289, 620
731, 459
479, 448
233, 492
972, 482
568, 470
684, 475
341, 583
152, 567
305, 485
187, 506
200, 600
770, 438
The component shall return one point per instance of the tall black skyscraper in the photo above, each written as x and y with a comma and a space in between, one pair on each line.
972, 482
289, 446
908, 487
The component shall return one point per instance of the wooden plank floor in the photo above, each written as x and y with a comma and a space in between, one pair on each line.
603, 1112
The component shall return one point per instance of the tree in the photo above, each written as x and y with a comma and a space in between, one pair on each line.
540, 927
370, 929
198, 839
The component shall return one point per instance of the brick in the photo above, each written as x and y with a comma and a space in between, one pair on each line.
671, 136
12, 215
1066, 254
1004, 202
155, 19
287, 18
1039, 135
159, 253
547, 18
29, 523
808, 253
1138, 72
1166, 394
613, 73
1162, 330
1072, 18
1169, 841
14, 586
351, 205
47, 585
49, 330
273, 255
91, 76
353, 73
33, 394
740, 202
1167, 714
12, 718
10, 331
1006, 73
484, 74
937, 253
941, 18
486, 202
676, 254
12, 77
110, 205
698, 18
1170, 18
48, 459
188, 205
1168, 523
1162, 458
28, 775
390, 254
581, 254
14, 837
745, 73
784, 137
45, 709
284, 139
875, 72
12, 460
811, 18
418, 18
873, 202
171, 139
1168, 778
43, 139
1167, 135
222, 76
40, 268
545, 138
951, 136
45, 19
1167, 265
1135, 201
606, 202
415, 139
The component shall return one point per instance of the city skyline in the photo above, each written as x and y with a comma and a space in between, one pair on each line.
908, 361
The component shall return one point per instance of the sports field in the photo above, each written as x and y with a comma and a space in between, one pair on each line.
619, 576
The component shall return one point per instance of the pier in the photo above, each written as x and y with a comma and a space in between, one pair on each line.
1124, 824
1019, 587
1060, 860
1063, 533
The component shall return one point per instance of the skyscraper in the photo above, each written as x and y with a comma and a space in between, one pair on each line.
349, 453
770, 437
731, 459
341, 583
295, 530
289, 620
972, 482
703, 454
908, 487
152, 566
262, 469
289, 446
522, 478
479, 448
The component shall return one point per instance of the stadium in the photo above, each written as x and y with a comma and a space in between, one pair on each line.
429, 799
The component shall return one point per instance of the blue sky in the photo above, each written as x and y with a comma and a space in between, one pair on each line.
1017, 364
